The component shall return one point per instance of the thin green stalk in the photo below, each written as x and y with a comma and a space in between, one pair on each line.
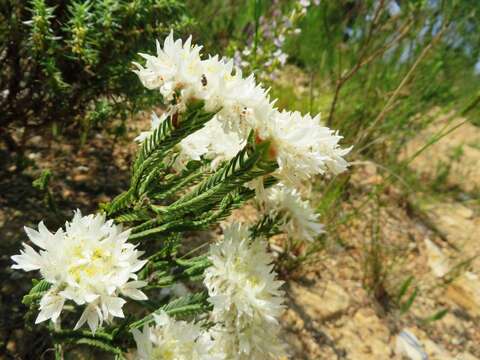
257, 13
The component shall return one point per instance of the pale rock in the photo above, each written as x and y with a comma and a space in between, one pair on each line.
430, 348
459, 149
456, 222
465, 292
364, 337
300, 341
435, 351
466, 356
459, 225
407, 345
437, 261
451, 323
321, 301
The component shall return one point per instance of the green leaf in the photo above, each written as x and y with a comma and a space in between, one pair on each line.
149, 161
41, 183
80, 334
181, 307
408, 304
404, 288
36, 292
437, 316
102, 345
138, 215
171, 131
247, 165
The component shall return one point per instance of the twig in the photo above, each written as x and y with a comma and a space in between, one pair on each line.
344, 78
404, 81
312, 77
471, 106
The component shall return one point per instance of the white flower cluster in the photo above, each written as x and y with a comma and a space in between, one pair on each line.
172, 339
295, 216
210, 142
301, 146
246, 297
89, 262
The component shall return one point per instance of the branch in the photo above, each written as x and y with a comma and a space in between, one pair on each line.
388, 105
343, 78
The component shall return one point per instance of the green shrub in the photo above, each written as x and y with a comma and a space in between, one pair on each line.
66, 63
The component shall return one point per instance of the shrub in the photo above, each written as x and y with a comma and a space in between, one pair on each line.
66, 62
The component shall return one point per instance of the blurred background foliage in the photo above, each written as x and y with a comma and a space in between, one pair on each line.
369, 47
67, 64
374, 63
369, 67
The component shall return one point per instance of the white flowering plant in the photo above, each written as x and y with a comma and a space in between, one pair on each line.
219, 143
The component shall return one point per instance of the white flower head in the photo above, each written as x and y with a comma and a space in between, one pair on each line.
172, 339
256, 339
296, 216
179, 68
241, 101
211, 142
241, 278
175, 68
89, 262
302, 146
246, 297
